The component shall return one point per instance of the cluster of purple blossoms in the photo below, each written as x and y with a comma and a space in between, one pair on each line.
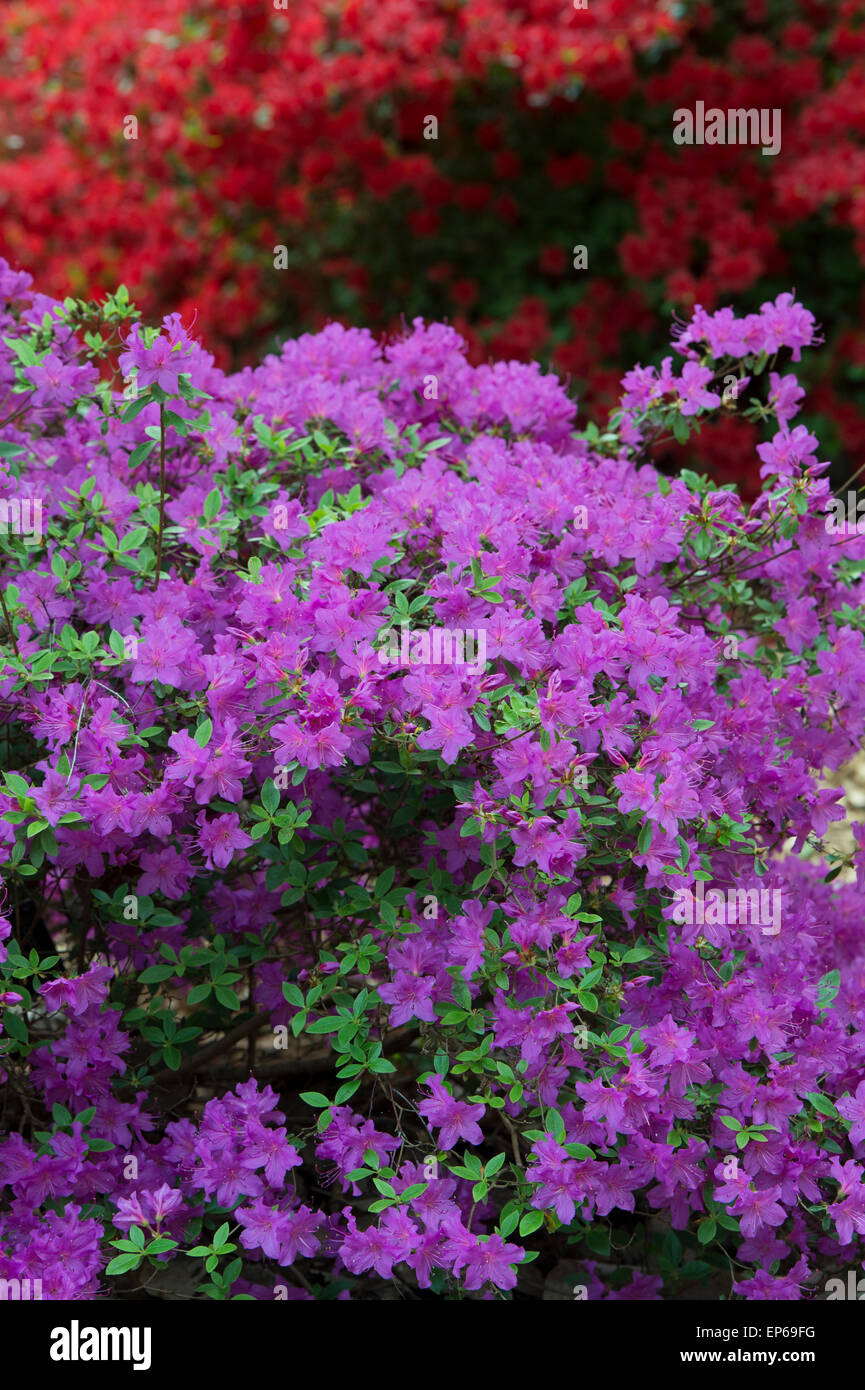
449, 890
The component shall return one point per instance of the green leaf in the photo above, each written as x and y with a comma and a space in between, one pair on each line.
212, 504
532, 1221
598, 1240
141, 452
827, 989
509, 1218
136, 407
203, 732
198, 994
556, 1125
681, 429
131, 541
160, 1245
706, 1230
155, 974
384, 882
315, 1099
822, 1103
122, 1264
702, 544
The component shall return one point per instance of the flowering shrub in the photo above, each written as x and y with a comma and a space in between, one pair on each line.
341, 946
178, 152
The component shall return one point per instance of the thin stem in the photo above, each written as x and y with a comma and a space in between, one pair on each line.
12, 637
161, 493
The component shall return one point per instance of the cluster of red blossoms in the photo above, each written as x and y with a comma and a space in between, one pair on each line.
446, 157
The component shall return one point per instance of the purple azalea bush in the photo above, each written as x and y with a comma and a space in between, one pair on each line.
413, 822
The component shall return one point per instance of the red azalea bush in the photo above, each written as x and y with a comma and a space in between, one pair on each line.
304, 127
412, 833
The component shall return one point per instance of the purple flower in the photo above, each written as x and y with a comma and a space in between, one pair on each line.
852, 1108
492, 1261
450, 731
456, 1119
409, 997
219, 838
80, 992
158, 365
691, 388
